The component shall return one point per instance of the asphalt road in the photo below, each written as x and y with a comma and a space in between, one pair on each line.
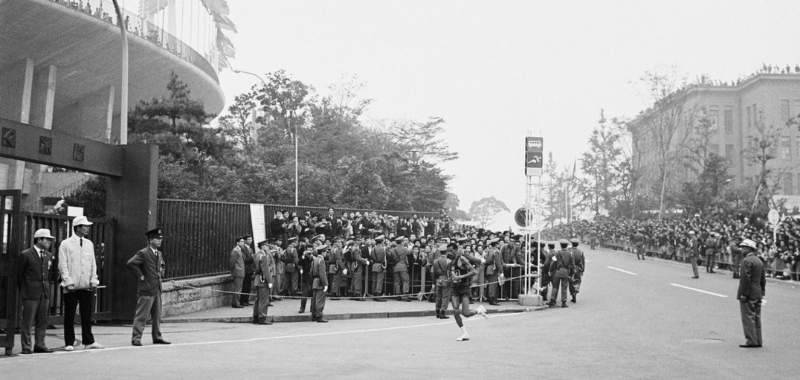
634, 319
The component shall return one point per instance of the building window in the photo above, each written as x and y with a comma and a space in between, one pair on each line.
785, 113
797, 143
728, 118
788, 184
729, 154
786, 148
749, 122
755, 115
714, 116
713, 148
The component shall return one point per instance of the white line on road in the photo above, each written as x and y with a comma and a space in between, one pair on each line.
622, 270
701, 291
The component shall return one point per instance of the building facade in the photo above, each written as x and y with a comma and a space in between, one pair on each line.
735, 111
61, 67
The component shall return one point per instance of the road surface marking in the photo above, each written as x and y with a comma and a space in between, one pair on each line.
622, 270
259, 339
701, 291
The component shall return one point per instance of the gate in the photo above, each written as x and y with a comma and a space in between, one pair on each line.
17, 235
10, 237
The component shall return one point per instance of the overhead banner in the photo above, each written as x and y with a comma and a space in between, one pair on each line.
534, 156
258, 222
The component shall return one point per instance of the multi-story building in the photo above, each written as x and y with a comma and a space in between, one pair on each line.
734, 111
61, 65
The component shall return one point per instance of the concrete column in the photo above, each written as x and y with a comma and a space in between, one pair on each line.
131, 202
15, 104
42, 101
110, 114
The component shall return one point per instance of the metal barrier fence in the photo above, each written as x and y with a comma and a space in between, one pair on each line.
201, 234
101, 235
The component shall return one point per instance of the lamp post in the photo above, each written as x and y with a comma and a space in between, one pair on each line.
123, 96
296, 178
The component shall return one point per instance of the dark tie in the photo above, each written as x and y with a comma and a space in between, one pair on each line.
81, 242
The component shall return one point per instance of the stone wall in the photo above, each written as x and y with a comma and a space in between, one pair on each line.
188, 296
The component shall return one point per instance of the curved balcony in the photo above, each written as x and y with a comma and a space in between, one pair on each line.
86, 51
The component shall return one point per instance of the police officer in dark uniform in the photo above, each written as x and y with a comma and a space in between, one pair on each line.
579, 261
378, 268
561, 267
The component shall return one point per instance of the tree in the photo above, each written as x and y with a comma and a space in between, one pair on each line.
423, 138
661, 122
698, 143
761, 150
706, 194
91, 195
601, 161
485, 210
451, 204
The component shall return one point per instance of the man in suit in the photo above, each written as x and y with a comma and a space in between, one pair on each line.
33, 281
378, 268
263, 283
306, 280
399, 256
236, 263
247, 282
561, 266
579, 261
319, 284
337, 267
148, 267
494, 267
694, 251
752, 288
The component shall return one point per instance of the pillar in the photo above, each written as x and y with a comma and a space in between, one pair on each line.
131, 203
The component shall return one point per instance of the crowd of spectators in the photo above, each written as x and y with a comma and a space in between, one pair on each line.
669, 238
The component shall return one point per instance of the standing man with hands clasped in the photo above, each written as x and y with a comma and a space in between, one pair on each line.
752, 288
148, 267
78, 269
33, 280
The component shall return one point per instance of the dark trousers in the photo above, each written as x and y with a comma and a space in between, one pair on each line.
317, 304
72, 299
559, 283
238, 283
261, 304
147, 306
442, 298
247, 285
401, 283
377, 282
34, 311
751, 321
357, 287
492, 287
710, 262
511, 287
290, 280
307, 293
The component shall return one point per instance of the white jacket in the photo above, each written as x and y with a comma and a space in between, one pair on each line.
76, 263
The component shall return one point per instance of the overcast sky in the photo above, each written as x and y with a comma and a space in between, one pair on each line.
495, 70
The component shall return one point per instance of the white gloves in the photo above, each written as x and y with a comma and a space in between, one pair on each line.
270, 286
325, 288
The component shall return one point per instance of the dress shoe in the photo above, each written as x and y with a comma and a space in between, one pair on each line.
379, 300
749, 346
359, 299
406, 299
42, 350
137, 344
237, 306
265, 323
26, 352
695, 276
494, 303
564, 304
444, 316
321, 321
161, 341
301, 312
254, 321
269, 304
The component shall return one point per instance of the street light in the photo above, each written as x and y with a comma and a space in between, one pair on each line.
296, 178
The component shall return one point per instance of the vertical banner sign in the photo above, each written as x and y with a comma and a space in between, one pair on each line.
258, 222
533, 156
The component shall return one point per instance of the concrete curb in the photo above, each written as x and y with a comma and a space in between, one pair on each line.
306, 317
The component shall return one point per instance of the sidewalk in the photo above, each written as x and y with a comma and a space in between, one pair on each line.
286, 310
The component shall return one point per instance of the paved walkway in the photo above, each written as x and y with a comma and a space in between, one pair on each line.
286, 310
